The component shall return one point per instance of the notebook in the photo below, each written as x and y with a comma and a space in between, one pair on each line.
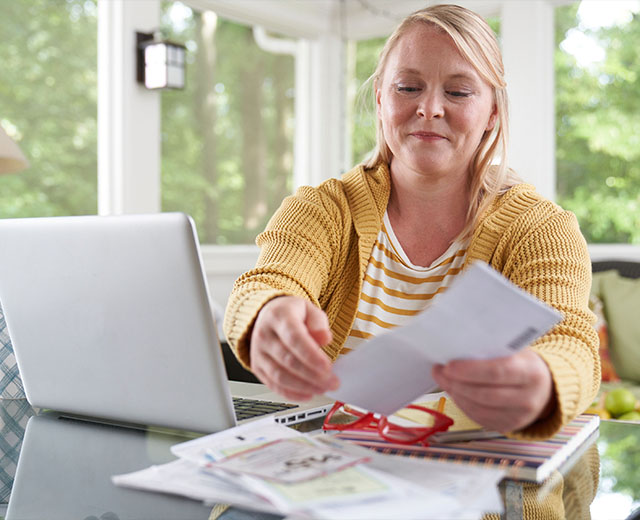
524, 460
65, 467
110, 319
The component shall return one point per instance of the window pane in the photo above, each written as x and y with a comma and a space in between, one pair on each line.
363, 56
48, 104
597, 65
227, 139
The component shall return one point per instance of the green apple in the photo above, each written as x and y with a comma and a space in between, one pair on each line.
629, 416
620, 401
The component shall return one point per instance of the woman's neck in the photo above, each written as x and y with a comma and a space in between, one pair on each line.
427, 214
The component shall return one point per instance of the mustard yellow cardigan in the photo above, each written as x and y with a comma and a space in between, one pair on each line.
318, 245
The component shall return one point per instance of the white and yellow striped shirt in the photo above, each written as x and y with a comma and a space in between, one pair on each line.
394, 289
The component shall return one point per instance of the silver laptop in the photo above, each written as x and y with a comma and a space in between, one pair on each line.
110, 319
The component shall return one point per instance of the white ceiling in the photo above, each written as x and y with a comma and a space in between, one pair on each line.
353, 19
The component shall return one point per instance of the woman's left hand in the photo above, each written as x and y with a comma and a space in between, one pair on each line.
504, 394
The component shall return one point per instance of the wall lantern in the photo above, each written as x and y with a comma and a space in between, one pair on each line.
160, 64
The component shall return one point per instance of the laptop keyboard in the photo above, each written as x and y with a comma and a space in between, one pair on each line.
248, 408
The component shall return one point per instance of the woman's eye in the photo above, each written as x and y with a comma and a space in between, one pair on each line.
456, 93
407, 88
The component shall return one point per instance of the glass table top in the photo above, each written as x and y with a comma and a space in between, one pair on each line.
619, 485
65, 469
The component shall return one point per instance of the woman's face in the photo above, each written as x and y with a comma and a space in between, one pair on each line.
433, 105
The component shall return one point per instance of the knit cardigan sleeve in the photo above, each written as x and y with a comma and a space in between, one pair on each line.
539, 247
299, 249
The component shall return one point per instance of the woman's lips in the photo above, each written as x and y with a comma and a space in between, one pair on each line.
428, 136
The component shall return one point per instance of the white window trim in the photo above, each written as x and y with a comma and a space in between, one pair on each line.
628, 252
527, 30
223, 264
128, 114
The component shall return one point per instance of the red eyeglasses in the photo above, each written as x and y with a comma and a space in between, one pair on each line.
386, 429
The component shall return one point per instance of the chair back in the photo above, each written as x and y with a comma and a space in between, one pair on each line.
626, 268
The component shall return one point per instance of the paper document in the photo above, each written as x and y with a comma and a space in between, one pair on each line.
186, 478
223, 444
369, 485
288, 461
481, 316
451, 491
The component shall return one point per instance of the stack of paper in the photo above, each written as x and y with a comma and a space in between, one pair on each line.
268, 467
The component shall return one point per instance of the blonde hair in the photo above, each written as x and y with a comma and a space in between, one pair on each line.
477, 43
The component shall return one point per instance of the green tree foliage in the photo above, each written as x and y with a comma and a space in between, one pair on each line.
48, 104
598, 131
227, 139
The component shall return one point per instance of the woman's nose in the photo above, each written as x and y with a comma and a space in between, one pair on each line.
430, 106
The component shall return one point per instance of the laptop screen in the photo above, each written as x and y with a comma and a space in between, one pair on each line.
109, 317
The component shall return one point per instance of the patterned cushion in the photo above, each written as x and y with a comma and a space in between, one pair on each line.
10, 382
621, 299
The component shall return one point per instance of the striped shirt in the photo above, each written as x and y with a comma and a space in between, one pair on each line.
394, 289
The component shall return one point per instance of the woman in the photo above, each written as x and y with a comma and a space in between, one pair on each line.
354, 256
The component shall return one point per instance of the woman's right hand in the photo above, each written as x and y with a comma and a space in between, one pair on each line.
286, 353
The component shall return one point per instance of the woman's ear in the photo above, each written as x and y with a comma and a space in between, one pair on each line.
378, 97
493, 118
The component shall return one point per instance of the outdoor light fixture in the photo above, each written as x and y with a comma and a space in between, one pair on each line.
161, 64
